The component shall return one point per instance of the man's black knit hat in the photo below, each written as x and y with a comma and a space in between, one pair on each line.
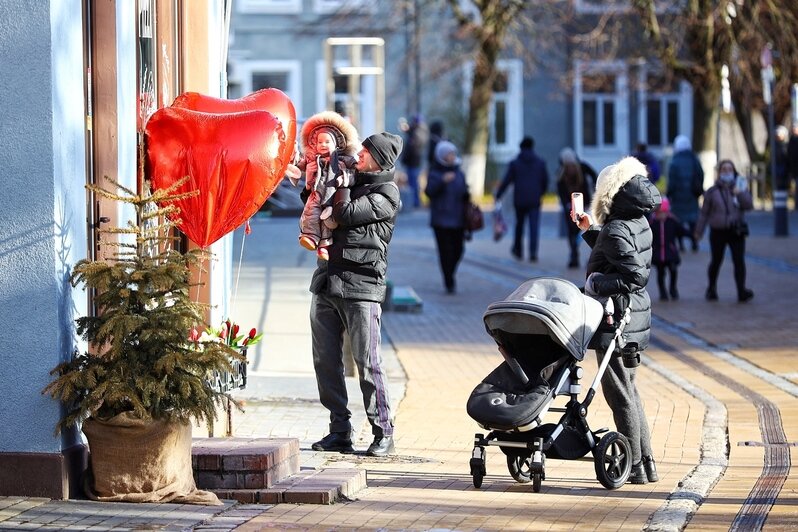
384, 147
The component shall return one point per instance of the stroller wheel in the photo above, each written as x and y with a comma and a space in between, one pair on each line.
520, 467
477, 471
613, 460
537, 480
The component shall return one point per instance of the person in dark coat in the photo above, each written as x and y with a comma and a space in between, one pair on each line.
347, 292
448, 194
685, 185
530, 178
620, 264
642, 154
792, 162
417, 137
570, 179
436, 134
666, 230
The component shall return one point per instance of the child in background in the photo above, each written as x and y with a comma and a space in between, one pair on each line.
666, 230
330, 144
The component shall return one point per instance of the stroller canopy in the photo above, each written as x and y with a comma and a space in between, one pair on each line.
551, 306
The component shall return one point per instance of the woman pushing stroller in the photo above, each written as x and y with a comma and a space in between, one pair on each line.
619, 265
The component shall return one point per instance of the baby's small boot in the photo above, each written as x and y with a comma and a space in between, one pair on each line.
326, 218
307, 242
323, 254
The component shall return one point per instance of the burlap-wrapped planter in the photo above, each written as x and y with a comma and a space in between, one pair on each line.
134, 460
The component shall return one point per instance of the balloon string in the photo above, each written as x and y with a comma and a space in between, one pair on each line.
199, 280
238, 273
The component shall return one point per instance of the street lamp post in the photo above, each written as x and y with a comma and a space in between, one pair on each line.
780, 226
725, 105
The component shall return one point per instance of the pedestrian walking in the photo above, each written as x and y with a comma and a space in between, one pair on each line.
619, 265
416, 140
436, 134
792, 162
685, 186
642, 154
347, 292
448, 195
570, 179
666, 230
723, 211
530, 179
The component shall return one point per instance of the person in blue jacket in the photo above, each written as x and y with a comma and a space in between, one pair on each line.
448, 194
528, 174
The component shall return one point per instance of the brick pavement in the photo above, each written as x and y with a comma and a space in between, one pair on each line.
699, 425
445, 352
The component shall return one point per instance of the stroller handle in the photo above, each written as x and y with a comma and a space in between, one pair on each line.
605, 361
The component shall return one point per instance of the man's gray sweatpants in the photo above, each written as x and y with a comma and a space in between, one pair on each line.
331, 318
620, 392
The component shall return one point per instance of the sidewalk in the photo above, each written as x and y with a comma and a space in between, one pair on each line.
709, 441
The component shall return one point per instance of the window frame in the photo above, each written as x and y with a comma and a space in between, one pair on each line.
684, 99
620, 7
368, 94
269, 7
514, 108
620, 98
326, 7
243, 69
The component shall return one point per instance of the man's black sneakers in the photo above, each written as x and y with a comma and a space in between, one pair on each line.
335, 441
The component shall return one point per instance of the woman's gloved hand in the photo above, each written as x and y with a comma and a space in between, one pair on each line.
590, 288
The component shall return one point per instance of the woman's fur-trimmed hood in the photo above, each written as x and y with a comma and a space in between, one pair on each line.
613, 195
346, 138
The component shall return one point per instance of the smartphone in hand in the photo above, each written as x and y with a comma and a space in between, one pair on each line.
577, 205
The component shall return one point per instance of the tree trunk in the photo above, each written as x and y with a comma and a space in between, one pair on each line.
705, 128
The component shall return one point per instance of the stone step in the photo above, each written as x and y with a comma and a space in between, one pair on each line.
323, 486
243, 463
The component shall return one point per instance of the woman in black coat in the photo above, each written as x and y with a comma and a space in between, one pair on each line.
619, 264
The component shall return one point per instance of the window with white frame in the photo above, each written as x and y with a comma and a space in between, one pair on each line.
506, 109
271, 7
622, 6
599, 105
250, 76
331, 6
601, 111
366, 111
665, 109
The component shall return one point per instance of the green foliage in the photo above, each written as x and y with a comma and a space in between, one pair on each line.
142, 359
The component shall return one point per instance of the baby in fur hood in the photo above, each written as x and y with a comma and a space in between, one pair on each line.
329, 145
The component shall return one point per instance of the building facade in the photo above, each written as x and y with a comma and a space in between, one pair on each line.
560, 94
79, 79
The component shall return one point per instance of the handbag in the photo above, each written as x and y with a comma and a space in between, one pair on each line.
474, 219
740, 228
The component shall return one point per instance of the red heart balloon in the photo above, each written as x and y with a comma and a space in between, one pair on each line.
273, 100
233, 159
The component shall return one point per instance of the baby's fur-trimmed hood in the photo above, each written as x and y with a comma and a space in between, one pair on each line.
641, 199
346, 138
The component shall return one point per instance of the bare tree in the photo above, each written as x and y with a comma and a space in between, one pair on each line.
488, 26
695, 40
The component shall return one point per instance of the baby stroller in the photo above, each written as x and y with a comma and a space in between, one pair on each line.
543, 330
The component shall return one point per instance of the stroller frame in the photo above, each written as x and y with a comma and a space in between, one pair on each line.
528, 446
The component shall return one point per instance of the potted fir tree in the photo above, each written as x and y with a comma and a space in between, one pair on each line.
146, 377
